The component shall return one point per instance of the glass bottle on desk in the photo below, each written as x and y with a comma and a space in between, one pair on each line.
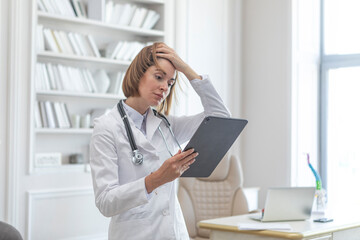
320, 193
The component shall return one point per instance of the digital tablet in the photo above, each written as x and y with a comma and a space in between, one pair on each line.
212, 140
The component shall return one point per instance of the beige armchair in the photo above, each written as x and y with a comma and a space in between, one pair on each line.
219, 195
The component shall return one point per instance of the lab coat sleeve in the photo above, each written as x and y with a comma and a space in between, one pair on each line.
111, 198
185, 126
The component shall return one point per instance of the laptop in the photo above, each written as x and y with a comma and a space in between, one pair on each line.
287, 204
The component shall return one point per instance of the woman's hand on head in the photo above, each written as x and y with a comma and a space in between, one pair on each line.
168, 53
171, 169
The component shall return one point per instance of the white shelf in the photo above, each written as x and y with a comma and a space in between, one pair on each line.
84, 131
93, 26
82, 61
77, 94
65, 168
150, 1
74, 140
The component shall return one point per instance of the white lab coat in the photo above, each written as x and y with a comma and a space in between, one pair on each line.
119, 185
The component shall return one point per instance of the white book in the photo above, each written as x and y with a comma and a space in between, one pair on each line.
152, 22
56, 6
40, 38
76, 6
41, 80
94, 48
91, 80
80, 43
138, 18
74, 44
74, 80
109, 8
59, 115
77, 80
82, 8
50, 72
127, 15
38, 123
84, 81
50, 43
69, 9
96, 10
59, 41
150, 14
65, 112
41, 6
59, 7
39, 77
57, 120
57, 77
66, 42
101, 80
122, 51
87, 46
137, 49
65, 78
117, 13
48, 5
70, 81
112, 49
50, 115
46, 77
131, 50
44, 120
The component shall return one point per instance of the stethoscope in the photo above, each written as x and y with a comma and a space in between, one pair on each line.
137, 156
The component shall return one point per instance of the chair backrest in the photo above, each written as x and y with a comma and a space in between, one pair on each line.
219, 195
8, 232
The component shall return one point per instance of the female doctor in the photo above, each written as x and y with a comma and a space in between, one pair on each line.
133, 173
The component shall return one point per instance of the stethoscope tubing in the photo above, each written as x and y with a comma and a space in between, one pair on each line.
134, 148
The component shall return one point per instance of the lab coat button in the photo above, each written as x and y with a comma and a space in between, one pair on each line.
165, 212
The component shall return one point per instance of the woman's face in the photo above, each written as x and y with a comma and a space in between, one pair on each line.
155, 85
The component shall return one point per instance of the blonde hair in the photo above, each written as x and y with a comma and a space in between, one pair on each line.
143, 60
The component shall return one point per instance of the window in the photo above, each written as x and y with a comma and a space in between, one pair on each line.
340, 98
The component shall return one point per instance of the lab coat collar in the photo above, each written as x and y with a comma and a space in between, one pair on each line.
152, 123
140, 139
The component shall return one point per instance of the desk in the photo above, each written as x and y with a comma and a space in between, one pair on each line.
342, 228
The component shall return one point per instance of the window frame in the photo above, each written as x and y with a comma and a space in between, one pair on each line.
328, 62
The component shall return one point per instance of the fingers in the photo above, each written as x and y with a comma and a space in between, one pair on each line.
190, 159
184, 169
180, 155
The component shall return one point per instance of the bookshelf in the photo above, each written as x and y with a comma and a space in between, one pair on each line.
81, 51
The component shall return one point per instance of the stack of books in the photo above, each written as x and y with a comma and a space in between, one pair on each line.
64, 78
70, 8
124, 50
126, 14
51, 115
66, 42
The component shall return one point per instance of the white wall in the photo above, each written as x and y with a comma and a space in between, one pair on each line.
3, 104
208, 38
266, 93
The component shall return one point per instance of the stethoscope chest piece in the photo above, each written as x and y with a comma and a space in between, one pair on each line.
137, 157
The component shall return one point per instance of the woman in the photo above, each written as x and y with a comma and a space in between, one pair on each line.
140, 196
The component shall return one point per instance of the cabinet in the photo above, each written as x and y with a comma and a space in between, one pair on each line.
49, 67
